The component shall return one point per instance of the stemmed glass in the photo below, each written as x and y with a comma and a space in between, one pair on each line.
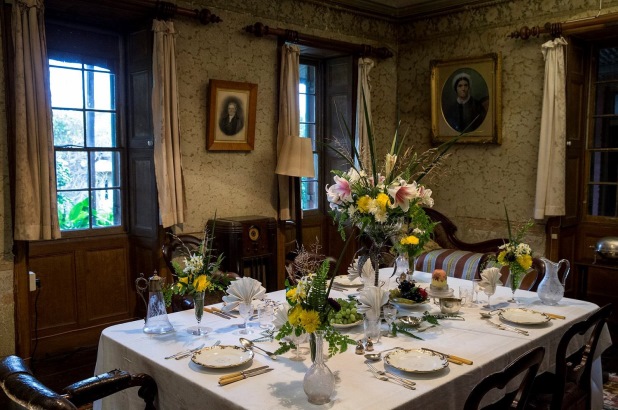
489, 290
246, 310
390, 314
297, 340
198, 301
476, 288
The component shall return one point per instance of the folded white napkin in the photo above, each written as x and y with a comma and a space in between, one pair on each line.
490, 277
242, 290
281, 315
367, 274
371, 299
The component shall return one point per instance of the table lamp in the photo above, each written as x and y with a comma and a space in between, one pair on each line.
296, 160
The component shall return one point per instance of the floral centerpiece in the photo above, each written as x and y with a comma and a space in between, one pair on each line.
310, 306
516, 254
386, 201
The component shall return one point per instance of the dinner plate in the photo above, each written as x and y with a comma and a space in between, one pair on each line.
523, 316
342, 280
440, 293
406, 304
346, 325
221, 357
416, 360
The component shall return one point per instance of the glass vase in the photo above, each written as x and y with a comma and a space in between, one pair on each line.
514, 281
198, 303
371, 327
319, 381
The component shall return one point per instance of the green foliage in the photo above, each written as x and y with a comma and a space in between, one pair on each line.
78, 216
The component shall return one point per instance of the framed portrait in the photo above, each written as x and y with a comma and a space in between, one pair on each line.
466, 99
232, 116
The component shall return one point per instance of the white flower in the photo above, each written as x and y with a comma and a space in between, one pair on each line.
354, 176
390, 164
351, 210
403, 193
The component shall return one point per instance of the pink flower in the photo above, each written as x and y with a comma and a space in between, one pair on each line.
340, 191
403, 193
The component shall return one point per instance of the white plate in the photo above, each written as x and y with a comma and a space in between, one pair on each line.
416, 360
346, 326
221, 357
406, 306
447, 293
523, 316
342, 280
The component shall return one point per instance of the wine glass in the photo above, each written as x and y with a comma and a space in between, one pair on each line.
489, 290
476, 287
297, 340
390, 314
246, 310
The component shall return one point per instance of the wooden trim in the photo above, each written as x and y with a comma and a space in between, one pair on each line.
568, 27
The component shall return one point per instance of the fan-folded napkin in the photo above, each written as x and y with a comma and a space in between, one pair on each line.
367, 273
371, 299
242, 290
490, 277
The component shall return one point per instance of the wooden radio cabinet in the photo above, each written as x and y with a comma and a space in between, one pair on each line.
249, 247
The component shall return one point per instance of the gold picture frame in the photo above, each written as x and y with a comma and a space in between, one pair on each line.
475, 112
232, 116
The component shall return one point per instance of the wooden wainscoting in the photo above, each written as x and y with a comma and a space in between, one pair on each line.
85, 287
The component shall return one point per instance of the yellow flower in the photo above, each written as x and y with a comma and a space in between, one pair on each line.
291, 294
184, 280
294, 315
382, 200
363, 203
525, 261
310, 320
409, 240
501, 256
201, 283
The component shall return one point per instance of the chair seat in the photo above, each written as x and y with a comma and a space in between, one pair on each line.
456, 263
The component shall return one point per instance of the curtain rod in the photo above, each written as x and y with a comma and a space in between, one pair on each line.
557, 29
260, 30
165, 10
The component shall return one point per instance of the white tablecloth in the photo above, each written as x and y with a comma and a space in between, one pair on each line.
185, 385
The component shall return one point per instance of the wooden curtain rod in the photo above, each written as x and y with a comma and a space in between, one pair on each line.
166, 10
260, 30
557, 29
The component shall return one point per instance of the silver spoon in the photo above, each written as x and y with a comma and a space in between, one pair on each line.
374, 357
249, 345
487, 315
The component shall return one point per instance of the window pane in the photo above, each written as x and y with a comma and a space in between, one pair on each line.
71, 170
66, 88
99, 90
603, 167
602, 200
100, 129
607, 98
68, 128
73, 210
605, 133
309, 194
308, 131
307, 108
608, 64
106, 208
307, 78
64, 63
106, 169
96, 68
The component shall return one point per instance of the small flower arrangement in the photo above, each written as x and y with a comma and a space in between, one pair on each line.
310, 307
515, 254
200, 271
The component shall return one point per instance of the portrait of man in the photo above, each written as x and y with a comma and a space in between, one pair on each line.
464, 109
231, 118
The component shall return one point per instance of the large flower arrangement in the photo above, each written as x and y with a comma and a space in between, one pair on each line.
309, 308
386, 201
200, 270
515, 254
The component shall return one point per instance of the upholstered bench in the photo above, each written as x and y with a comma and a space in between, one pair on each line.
456, 263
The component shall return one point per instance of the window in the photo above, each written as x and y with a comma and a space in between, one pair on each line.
88, 155
602, 146
308, 128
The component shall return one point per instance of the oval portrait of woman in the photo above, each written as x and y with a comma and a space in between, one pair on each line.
465, 99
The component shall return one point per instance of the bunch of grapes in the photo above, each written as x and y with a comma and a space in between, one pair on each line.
346, 315
409, 290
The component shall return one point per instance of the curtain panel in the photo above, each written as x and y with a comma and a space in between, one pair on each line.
289, 120
550, 186
36, 209
166, 128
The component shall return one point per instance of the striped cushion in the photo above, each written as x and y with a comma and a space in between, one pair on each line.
458, 264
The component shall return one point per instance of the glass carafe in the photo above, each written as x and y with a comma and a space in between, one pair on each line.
551, 289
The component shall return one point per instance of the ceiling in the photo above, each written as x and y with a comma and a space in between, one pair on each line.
405, 9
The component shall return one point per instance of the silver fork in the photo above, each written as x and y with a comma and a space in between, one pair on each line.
189, 353
506, 327
408, 384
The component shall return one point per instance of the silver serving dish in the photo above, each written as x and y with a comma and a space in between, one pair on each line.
607, 247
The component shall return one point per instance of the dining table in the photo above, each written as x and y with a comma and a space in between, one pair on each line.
185, 384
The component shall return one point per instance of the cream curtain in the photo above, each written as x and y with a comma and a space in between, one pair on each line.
36, 210
552, 141
167, 156
364, 67
289, 121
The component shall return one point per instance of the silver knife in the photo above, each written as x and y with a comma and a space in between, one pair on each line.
505, 327
188, 351
244, 375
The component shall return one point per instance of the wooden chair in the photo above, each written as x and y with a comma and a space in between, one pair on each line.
23, 388
527, 364
569, 387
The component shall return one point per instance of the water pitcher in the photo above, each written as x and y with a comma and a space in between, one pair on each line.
156, 316
551, 289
